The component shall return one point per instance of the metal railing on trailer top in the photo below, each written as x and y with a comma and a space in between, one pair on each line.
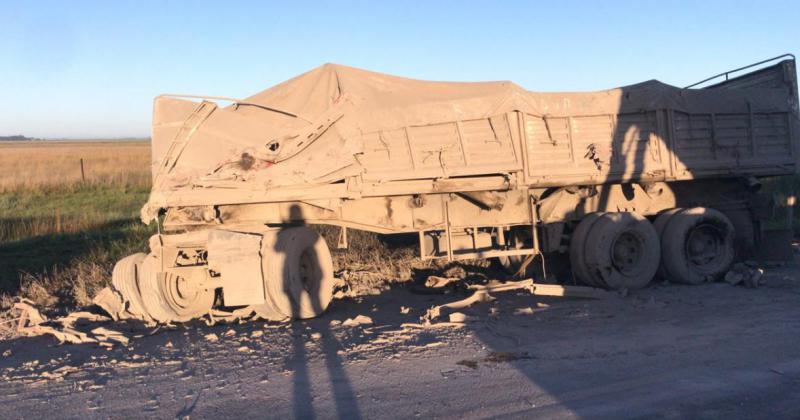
727, 73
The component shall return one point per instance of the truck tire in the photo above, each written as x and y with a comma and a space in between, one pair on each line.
168, 297
577, 246
622, 251
124, 280
298, 272
697, 245
659, 224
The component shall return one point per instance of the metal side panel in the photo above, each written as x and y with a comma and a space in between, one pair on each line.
459, 148
731, 143
595, 148
237, 257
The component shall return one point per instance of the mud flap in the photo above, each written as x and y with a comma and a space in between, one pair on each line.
237, 257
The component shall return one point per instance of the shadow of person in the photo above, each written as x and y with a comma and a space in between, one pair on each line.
305, 271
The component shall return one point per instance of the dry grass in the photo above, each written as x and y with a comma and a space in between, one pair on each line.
60, 235
42, 164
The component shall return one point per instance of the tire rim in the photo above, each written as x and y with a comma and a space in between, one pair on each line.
704, 245
627, 251
181, 294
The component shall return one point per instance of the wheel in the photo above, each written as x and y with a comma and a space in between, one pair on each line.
577, 246
697, 245
622, 251
169, 297
123, 278
660, 223
298, 272
518, 238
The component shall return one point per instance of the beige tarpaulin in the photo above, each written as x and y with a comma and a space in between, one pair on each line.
335, 122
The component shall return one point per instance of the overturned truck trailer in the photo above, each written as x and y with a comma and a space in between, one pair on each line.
628, 184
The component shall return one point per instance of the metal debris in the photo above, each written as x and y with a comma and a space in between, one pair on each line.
742, 273
482, 294
27, 314
436, 282
461, 318
358, 320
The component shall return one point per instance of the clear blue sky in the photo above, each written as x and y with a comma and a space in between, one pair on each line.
91, 69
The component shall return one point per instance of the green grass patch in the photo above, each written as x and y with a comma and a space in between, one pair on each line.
59, 245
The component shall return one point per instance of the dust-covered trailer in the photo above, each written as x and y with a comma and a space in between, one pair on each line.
628, 183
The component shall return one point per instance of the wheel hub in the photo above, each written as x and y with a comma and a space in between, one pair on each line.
181, 292
704, 244
627, 251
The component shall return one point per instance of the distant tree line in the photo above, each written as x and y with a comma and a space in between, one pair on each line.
17, 137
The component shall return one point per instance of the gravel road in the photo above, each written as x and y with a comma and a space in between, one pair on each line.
711, 351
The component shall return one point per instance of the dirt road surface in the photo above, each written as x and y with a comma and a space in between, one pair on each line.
711, 351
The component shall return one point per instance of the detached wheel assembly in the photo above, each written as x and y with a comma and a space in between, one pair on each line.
298, 272
615, 251
154, 295
697, 246
169, 297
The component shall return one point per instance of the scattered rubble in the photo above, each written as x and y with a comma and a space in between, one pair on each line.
745, 273
482, 294
31, 323
436, 282
436, 311
358, 320
524, 311
461, 318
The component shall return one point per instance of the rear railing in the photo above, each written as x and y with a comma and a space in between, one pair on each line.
727, 74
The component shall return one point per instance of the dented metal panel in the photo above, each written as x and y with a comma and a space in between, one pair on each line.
440, 150
585, 149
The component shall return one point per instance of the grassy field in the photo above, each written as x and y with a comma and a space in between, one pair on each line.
32, 165
60, 235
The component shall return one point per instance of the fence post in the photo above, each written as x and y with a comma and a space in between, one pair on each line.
83, 175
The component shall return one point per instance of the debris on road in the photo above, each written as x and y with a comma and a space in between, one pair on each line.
358, 320
436, 311
106, 335
482, 294
544, 289
524, 311
461, 318
742, 273
31, 323
110, 301
436, 282
27, 314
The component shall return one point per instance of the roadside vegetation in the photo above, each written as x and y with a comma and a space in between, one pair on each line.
61, 231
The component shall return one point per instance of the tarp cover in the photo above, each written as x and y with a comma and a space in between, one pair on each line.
312, 129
